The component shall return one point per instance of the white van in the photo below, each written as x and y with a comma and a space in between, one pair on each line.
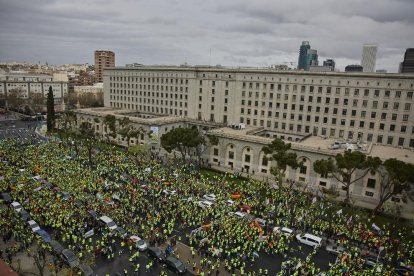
309, 239
108, 222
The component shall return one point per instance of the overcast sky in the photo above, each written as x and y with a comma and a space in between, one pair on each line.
235, 32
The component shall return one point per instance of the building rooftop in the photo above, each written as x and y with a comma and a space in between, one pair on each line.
219, 68
386, 152
310, 143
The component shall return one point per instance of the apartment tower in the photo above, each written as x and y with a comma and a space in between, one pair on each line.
103, 59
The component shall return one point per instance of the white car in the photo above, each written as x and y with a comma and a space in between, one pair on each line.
34, 226
211, 197
138, 243
230, 202
169, 192
284, 230
16, 206
238, 214
108, 222
205, 204
309, 239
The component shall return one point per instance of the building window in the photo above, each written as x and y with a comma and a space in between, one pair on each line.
247, 158
231, 154
303, 170
401, 142
216, 152
371, 183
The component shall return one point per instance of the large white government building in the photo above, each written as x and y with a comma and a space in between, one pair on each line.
320, 114
375, 108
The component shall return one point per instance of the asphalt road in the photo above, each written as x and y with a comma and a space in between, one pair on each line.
19, 130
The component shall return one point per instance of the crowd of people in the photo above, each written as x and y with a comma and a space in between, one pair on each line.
151, 200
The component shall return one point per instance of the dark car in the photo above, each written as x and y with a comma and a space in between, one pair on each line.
93, 214
403, 271
44, 235
85, 270
175, 265
57, 247
70, 258
6, 198
156, 254
122, 233
24, 214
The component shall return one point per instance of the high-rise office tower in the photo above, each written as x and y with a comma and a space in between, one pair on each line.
311, 58
369, 57
103, 59
407, 66
303, 56
329, 63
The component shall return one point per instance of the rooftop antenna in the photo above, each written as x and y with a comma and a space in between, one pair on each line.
209, 62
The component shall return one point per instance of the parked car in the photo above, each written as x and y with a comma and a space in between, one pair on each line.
84, 270
138, 243
33, 225
108, 222
169, 192
205, 204
156, 253
335, 249
70, 258
238, 214
121, 232
230, 202
210, 197
44, 235
24, 215
56, 246
309, 239
175, 265
284, 230
16, 206
6, 197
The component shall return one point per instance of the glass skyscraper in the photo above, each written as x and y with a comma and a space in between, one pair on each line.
303, 56
307, 57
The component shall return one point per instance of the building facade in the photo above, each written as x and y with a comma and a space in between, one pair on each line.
103, 59
369, 58
353, 68
29, 84
376, 108
242, 150
312, 58
329, 63
407, 65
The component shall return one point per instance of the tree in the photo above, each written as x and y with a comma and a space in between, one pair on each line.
127, 131
110, 124
87, 134
396, 177
182, 139
140, 152
50, 110
14, 98
37, 102
284, 157
344, 166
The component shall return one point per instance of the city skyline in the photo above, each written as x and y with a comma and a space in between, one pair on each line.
234, 33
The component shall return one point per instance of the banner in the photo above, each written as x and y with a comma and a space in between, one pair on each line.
154, 135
